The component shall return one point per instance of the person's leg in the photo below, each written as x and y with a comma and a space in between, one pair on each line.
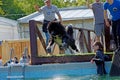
104, 68
47, 41
114, 30
100, 69
47, 38
44, 29
118, 32
98, 31
103, 37
119, 41
107, 38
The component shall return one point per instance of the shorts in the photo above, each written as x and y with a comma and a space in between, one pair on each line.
99, 29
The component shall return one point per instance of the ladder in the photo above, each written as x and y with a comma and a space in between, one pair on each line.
11, 67
14, 76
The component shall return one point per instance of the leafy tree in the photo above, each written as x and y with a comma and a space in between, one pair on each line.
15, 9
11, 10
1, 10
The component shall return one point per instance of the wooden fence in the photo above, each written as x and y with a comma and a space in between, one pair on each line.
0, 50
18, 48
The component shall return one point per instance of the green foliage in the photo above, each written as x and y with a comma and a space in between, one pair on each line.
1, 11
10, 9
1, 3
15, 9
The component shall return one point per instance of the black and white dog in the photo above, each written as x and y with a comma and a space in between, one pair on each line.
61, 36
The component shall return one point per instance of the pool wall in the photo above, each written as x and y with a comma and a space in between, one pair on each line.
51, 70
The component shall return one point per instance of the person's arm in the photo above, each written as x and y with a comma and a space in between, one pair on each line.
37, 8
59, 17
106, 18
58, 14
88, 4
97, 59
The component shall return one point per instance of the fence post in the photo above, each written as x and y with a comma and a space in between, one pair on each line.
33, 41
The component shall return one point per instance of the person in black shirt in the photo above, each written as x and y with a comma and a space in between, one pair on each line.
99, 58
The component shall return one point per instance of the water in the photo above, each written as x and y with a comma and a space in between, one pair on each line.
73, 77
67, 71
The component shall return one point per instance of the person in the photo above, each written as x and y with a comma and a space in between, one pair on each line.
49, 12
7, 63
99, 58
0, 61
15, 60
12, 61
97, 8
25, 59
113, 6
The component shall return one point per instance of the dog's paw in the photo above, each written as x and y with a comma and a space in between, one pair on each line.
64, 45
48, 49
77, 51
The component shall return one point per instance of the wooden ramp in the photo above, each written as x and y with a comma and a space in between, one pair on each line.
115, 68
83, 43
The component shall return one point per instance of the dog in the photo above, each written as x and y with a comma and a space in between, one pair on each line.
61, 36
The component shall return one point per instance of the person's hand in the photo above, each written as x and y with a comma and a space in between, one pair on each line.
92, 60
36, 7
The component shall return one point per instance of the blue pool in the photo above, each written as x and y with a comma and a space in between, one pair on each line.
65, 71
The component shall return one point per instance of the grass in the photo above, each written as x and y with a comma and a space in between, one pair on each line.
61, 55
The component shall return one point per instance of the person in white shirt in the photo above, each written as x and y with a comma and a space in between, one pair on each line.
49, 12
25, 59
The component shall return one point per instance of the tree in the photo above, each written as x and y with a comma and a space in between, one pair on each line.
15, 9
11, 10
1, 10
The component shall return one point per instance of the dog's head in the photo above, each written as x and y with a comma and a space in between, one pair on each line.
56, 28
69, 29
